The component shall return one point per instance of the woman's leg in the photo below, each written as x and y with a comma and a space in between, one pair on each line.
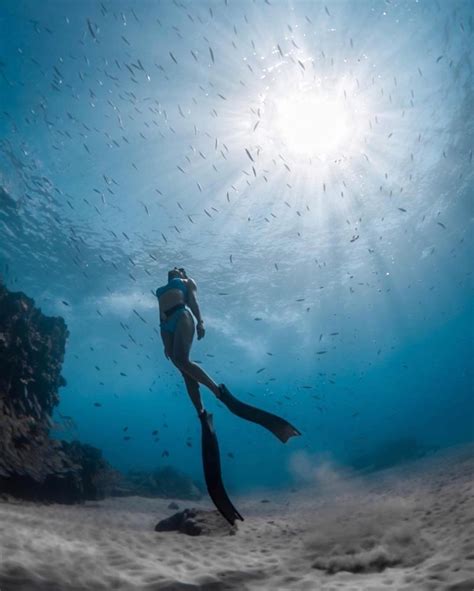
182, 341
167, 338
193, 390
191, 385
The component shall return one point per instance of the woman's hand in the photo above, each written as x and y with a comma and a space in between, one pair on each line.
201, 331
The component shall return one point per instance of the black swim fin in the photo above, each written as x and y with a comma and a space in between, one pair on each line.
212, 470
278, 426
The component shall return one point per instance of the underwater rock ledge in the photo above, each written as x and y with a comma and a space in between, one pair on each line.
32, 465
165, 482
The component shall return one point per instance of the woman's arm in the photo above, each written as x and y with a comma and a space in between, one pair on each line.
194, 306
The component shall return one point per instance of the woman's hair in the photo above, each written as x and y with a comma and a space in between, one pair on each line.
181, 270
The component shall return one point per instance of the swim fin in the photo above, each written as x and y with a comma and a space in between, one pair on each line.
212, 470
278, 426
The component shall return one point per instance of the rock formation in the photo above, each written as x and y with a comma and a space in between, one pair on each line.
165, 482
32, 465
197, 522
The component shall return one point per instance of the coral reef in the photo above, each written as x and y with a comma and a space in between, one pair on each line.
32, 465
166, 482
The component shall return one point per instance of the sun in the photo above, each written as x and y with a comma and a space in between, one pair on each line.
325, 118
312, 124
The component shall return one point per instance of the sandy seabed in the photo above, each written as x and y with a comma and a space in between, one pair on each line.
407, 528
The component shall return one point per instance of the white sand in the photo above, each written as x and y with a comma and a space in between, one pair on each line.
416, 523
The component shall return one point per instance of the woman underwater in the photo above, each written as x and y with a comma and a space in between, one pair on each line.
177, 302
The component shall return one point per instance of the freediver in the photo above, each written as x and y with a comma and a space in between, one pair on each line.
178, 303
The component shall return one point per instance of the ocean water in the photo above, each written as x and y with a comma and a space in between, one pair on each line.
309, 164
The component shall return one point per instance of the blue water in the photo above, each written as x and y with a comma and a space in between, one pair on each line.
363, 230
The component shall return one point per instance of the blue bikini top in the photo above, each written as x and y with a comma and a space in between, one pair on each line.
175, 283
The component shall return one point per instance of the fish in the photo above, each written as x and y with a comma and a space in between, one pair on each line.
91, 29
98, 404
139, 316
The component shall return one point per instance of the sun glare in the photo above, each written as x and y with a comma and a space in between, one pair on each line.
312, 125
325, 119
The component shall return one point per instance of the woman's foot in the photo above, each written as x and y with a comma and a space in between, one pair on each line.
220, 390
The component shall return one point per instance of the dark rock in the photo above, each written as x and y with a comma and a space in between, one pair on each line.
34, 466
96, 475
196, 522
173, 506
172, 523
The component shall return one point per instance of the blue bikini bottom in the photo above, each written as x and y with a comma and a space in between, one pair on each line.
172, 317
